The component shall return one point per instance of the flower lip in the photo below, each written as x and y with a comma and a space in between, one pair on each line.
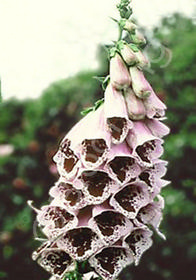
110, 261
80, 243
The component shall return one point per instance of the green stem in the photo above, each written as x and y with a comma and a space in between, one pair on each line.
120, 33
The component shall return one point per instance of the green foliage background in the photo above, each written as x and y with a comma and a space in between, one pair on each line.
35, 127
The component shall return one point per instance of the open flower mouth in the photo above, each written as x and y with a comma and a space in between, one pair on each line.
80, 243
149, 150
111, 226
138, 242
130, 199
69, 196
110, 261
145, 176
56, 262
66, 159
56, 217
118, 128
96, 185
124, 168
94, 151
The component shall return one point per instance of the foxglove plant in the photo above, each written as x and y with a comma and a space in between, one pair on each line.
110, 174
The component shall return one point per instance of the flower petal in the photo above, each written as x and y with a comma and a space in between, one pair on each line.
80, 243
109, 262
157, 128
138, 242
130, 199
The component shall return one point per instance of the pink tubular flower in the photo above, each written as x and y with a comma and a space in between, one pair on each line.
155, 108
140, 86
110, 176
142, 60
48, 255
135, 107
80, 243
144, 144
128, 55
138, 242
119, 74
116, 115
121, 165
130, 199
110, 261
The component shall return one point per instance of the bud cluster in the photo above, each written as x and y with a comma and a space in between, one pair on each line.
108, 192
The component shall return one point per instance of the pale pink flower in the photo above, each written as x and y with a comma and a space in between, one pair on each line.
157, 128
116, 114
142, 60
119, 74
128, 55
110, 261
121, 164
80, 243
135, 107
96, 185
155, 108
141, 87
54, 220
65, 194
110, 225
152, 214
138, 242
48, 255
131, 199
145, 146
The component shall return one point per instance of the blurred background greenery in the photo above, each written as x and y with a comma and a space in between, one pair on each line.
33, 129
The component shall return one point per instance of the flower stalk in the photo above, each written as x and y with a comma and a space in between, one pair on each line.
110, 174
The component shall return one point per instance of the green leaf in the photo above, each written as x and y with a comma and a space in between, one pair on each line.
97, 104
86, 111
134, 47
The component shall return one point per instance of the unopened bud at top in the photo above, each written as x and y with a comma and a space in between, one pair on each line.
127, 25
